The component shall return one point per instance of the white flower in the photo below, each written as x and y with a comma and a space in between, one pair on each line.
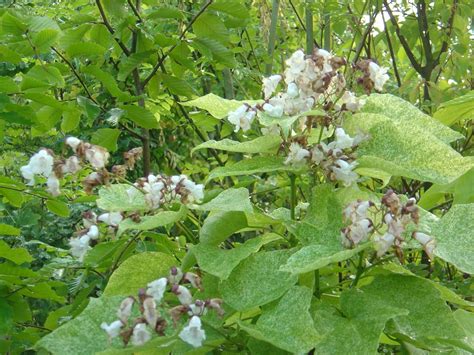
360, 230
378, 76
198, 308
112, 329
93, 232
270, 84
80, 246
343, 172
125, 309
274, 111
292, 91
427, 242
351, 102
41, 163
111, 219
175, 275
73, 142
296, 154
193, 334
242, 118
184, 295
53, 185
196, 190
318, 154
356, 211
89, 219
294, 66
28, 174
157, 288
140, 334
343, 140
383, 243
96, 156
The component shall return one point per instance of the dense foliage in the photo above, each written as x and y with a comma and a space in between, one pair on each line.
236, 176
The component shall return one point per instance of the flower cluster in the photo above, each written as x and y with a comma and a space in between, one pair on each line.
81, 244
311, 80
336, 158
395, 219
160, 189
151, 320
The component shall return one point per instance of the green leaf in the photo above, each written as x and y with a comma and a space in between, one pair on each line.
8, 85
220, 262
215, 51
358, 329
44, 39
12, 24
166, 12
71, 119
177, 86
6, 316
453, 235
45, 100
229, 200
410, 153
89, 107
466, 321
137, 271
407, 117
459, 109
107, 138
220, 225
257, 280
231, 7
316, 256
131, 62
58, 207
6, 229
108, 81
83, 335
264, 144
115, 198
85, 49
14, 197
17, 255
423, 309
215, 105
141, 116
287, 325
159, 219
211, 26
255, 165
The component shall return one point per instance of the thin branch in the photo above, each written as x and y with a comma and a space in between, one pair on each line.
392, 52
135, 10
76, 74
403, 40
110, 28
424, 31
168, 52
301, 22
444, 46
364, 36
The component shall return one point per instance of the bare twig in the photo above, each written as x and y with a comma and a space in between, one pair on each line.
110, 28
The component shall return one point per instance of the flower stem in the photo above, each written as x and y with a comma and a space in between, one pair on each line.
360, 269
292, 195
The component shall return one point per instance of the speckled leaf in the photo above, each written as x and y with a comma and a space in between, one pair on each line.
454, 235
406, 152
159, 219
220, 262
115, 198
264, 144
428, 321
407, 117
459, 109
287, 325
316, 256
215, 105
255, 165
466, 321
257, 280
359, 328
135, 272
83, 335
229, 200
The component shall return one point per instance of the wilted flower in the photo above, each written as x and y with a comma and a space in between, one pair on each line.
383, 243
140, 334
73, 142
53, 185
149, 311
193, 334
343, 171
296, 154
343, 140
427, 242
125, 309
184, 295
